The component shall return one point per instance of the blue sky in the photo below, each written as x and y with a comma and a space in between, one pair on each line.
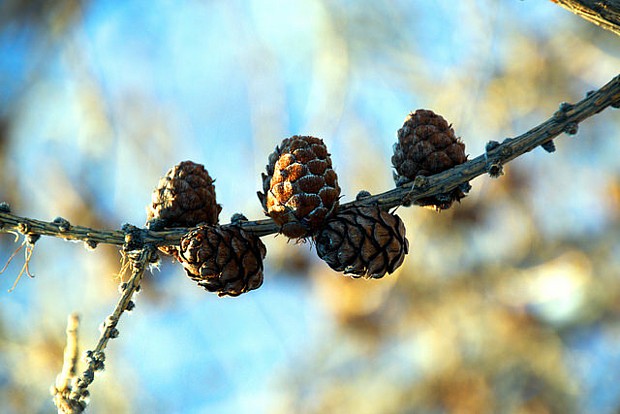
136, 87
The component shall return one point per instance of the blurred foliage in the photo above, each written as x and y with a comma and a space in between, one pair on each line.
508, 302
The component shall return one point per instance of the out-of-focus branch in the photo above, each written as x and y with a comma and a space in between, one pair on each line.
603, 13
565, 120
65, 382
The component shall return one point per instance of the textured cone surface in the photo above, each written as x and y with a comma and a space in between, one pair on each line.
363, 241
227, 260
300, 188
185, 197
427, 145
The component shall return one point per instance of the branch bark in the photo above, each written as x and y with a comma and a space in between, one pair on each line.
72, 394
566, 119
603, 13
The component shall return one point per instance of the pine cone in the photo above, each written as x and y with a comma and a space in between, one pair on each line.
226, 260
300, 189
427, 145
185, 197
363, 241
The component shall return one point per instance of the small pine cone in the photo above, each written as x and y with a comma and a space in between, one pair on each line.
427, 145
300, 188
226, 260
184, 197
363, 241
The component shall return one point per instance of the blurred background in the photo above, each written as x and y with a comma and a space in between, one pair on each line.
508, 302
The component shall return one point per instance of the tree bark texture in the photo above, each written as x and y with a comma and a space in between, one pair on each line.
604, 13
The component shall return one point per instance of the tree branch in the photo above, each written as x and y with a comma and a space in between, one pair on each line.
603, 13
566, 119
71, 395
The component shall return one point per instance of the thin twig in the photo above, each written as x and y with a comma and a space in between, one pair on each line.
138, 262
29, 242
95, 358
26, 266
12, 256
566, 119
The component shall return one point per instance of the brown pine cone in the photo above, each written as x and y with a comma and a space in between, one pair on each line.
363, 241
300, 189
427, 145
184, 197
226, 260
